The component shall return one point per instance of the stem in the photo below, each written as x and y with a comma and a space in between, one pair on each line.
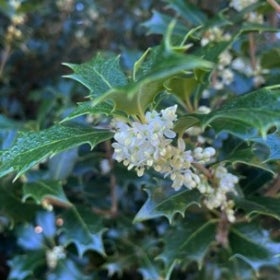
252, 50
274, 188
275, 5
222, 230
5, 57
202, 169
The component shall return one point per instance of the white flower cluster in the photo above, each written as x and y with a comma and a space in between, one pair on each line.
139, 145
148, 145
214, 34
244, 66
224, 75
216, 197
54, 255
239, 5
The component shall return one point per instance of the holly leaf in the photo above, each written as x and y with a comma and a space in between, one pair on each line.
244, 116
272, 143
50, 192
253, 245
86, 108
158, 24
68, 269
23, 266
83, 228
259, 109
32, 147
101, 74
253, 206
14, 208
164, 201
150, 72
248, 156
134, 253
187, 11
188, 241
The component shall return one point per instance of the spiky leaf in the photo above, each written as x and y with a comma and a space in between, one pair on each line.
252, 244
100, 74
33, 147
46, 192
164, 201
83, 228
245, 115
188, 242
260, 206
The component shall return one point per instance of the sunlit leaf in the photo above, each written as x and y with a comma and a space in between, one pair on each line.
33, 147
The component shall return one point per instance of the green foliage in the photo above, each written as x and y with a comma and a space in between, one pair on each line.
33, 147
71, 209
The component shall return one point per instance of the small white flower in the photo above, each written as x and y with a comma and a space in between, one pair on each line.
54, 255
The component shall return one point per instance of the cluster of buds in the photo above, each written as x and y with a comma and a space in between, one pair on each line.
146, 145
223, 74
214, 34
54, 255
243, 65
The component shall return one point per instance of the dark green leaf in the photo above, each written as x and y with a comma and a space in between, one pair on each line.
23, 266
99, 75
33, 147
272, 142
243, 116
247, 156
46, 192
188, 242
159, 23
88, 108
260, 206
253, 245
164, 201
83, 228
14, 208
188, 11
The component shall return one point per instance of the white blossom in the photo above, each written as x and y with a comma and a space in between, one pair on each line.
54, 255
214, 34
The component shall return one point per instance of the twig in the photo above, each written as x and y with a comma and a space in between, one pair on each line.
275, 5
222, 230
5, 57
252, 50
202, 169
274, 188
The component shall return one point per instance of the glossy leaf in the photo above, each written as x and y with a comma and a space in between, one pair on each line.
46, 192
244, 115
99, 75
88, 108
33, 147
188, 11
253, 206
252, 244
164, 201
83, 228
